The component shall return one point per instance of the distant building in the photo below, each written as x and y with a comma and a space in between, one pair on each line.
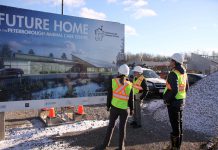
203, 63
148, 64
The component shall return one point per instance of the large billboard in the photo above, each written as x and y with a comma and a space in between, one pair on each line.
51, 60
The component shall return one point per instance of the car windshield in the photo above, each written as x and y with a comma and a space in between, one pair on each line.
150, 74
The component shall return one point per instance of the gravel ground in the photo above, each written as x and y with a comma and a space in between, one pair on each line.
154, 135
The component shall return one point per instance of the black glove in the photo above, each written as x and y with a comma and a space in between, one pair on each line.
167, 98
141, 99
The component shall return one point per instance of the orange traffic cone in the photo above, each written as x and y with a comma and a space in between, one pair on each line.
51, 113
80, 110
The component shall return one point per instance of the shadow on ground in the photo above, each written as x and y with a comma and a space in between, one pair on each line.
153, 135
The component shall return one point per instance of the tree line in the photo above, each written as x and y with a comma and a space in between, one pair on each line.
160, 58
6, 52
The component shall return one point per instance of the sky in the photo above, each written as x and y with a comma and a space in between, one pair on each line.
158, 27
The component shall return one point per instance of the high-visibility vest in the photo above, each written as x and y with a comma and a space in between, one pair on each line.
137, 84
182, 78
120, 93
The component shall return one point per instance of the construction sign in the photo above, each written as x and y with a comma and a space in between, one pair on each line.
51, 60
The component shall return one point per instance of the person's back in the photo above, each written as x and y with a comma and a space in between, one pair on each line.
120, 97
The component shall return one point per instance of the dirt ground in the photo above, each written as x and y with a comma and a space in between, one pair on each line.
153, 135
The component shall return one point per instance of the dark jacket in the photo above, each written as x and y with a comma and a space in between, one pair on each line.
170, 95
110, 94
144, 87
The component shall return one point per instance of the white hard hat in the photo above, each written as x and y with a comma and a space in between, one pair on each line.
138, 69
124, 70
178, 58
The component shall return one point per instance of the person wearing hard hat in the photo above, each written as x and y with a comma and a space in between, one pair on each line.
174, 97
140, 90
119, 98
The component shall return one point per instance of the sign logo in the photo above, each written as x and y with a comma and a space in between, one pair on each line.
100, 33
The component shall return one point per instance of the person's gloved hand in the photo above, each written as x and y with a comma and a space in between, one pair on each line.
167, 98
141, 99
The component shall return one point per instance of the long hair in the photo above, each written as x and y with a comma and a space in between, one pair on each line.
177, 64
122, 79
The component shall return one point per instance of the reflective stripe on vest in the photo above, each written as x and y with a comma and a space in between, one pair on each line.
120, 93
182, 78
137, 84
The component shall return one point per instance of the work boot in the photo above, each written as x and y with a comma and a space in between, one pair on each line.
180, 140
171, 140
170, 145
175, 142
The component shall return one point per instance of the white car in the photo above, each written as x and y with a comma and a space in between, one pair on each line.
155, 83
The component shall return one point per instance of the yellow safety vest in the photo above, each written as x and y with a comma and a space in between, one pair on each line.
120, 93
182, 78
137, 84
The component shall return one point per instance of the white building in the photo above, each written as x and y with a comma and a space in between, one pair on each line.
203, 64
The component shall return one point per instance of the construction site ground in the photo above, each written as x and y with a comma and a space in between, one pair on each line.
153, 135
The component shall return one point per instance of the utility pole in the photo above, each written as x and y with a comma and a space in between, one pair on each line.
62, 7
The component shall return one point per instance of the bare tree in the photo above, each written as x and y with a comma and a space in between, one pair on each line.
145, 57
64, 56
19, 51
6, 51
51, 55
31, 52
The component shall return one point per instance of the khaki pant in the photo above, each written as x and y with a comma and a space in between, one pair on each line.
137, 109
